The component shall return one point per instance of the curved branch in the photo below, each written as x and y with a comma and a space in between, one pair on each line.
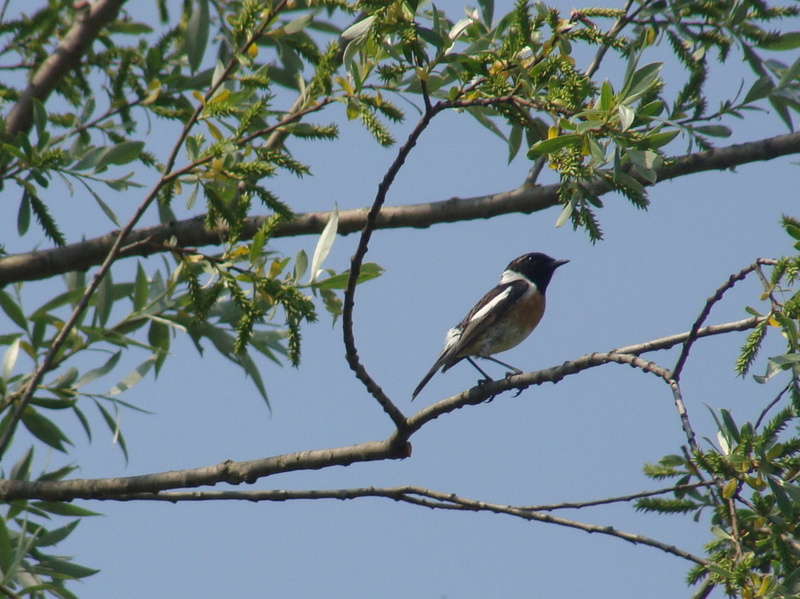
424, 497
525, 199
481, 393
351, 353
704, 313
64, 58
396, 493
394, 448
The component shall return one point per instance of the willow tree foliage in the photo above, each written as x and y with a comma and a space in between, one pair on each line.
227, 88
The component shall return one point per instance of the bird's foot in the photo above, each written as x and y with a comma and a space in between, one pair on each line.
515, 372
486, 381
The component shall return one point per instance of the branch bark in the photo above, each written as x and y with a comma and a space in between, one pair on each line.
64, 58
394, 448
525, 199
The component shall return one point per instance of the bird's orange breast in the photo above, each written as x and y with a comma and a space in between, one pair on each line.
511, 329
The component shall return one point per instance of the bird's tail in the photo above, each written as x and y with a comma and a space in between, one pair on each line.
426, 378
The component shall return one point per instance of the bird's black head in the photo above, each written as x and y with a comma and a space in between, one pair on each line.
536, 267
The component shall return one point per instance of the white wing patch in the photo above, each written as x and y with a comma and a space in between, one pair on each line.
452, 337
481, 314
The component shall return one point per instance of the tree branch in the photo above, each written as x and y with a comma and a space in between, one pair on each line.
482, 392
230, 472
64, 58
525, 200
396, 447
426, 498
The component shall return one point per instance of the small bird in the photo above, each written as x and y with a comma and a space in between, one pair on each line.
502, 319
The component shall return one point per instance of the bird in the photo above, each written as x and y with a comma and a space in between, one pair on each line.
502, 319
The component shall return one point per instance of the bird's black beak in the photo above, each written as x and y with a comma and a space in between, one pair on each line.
557, 263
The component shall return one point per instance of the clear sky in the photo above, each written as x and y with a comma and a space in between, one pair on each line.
585, 438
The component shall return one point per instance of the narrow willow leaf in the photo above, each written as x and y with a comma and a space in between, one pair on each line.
122, 153
43, 429
197, 32
6, 552
566, 212
134, 377
358, 30
368, 271
10, 358
324, 244
104, 299
548, 146
13, 310
24, 215
101, 371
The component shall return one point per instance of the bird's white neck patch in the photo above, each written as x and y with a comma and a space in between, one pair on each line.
509, 276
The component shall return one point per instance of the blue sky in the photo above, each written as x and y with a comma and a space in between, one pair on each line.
585, 438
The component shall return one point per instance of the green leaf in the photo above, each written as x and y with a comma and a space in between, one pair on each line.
626, 116
197, 32
44, 429
101, 371
69, 569
24, 215
300, 265
140, 288
64, 509
22, 469
257, 245
57, 535
514, 141
104, 299
781, 498
324, 244
368, 271
134, 377
10, 358
640, 83
791, 74
298, 24
761, 88
657, 140
122, 153
785, 41
7, 560
567, 211
792, 230
113, 425
713, 130
548, 146
358, 30
13, 310
487, 11
606, 95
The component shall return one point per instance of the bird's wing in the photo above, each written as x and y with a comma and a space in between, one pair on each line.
492, 307
483, 316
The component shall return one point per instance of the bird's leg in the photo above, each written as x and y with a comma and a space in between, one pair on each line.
514, 369
486, 378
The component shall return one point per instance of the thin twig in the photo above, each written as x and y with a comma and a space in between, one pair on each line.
417, 496
618, 499
618, 25
704, 313
772, 404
